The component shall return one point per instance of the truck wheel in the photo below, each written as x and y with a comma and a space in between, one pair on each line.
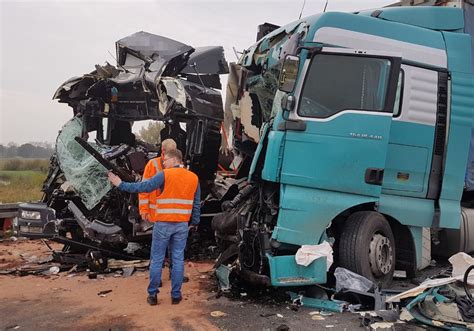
367, 247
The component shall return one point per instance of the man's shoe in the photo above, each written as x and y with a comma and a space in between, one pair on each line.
152, 300
175, 301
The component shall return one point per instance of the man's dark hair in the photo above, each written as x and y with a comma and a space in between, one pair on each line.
175, 154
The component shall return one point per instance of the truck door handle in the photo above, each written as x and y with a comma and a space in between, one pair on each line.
292, 125
374, 176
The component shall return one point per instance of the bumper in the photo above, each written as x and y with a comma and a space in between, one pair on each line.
43, 226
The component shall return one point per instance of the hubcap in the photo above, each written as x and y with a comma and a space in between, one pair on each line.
380, 255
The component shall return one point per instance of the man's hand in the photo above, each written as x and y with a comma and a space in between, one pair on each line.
114, 179
144, 216
192, 227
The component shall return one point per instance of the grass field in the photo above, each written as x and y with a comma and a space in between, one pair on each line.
19, 163
20, 185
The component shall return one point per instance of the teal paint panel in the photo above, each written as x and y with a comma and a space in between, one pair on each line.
334, 155
462, 104
435, 18
374, 26
411, 134
417, 235
274, 156
406, 139
305, 213
458, 47
285, 272
408, 210
405, 168
450, 216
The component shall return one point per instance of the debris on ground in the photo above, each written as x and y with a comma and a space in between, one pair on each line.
348, 280
104, 293
218, 313
317, 318
439, 301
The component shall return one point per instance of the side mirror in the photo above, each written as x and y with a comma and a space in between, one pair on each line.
288, 102
289, 73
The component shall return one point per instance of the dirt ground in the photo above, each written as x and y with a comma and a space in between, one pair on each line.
71, 301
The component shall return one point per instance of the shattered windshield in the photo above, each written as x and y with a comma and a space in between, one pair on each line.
82, 171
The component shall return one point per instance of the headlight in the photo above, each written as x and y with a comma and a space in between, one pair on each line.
31, 215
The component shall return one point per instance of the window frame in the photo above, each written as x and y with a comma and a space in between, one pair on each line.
392, 81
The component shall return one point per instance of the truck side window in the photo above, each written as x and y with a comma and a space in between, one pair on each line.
338, 82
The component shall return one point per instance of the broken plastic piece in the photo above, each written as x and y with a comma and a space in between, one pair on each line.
222, 274
429, 283
328, 305
461, 261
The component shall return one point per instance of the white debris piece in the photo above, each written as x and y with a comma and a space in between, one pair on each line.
462, 261
308, 253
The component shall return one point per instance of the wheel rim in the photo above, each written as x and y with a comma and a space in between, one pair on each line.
380, 255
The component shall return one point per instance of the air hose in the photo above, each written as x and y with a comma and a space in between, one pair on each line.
466, 303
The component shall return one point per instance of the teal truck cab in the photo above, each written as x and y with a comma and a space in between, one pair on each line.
355, 129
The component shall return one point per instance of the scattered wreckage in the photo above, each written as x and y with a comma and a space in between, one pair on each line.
293, 136
288, 133
155, 78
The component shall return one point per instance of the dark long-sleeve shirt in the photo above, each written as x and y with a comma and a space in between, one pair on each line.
158, 181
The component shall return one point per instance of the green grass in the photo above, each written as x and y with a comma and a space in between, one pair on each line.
19, 163
20, 186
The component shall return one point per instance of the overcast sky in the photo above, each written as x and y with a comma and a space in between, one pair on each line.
43, 43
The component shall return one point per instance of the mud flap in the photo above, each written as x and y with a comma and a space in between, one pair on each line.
285, 272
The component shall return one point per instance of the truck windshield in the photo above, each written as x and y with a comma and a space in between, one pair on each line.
344, 82
82, 171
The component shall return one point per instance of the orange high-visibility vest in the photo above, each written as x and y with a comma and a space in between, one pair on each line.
175, 203
147, 201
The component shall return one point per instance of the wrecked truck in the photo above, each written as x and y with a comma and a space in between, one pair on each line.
355, 131
155, 78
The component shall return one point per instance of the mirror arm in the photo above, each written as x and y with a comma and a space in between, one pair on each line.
311, 50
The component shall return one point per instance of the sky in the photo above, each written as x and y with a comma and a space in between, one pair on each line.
44, 43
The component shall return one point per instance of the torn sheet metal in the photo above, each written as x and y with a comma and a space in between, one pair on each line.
160, 55
252, 91
429, 283
327, 305
418, 310
207, 61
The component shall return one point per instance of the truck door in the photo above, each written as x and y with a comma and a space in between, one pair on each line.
345, 99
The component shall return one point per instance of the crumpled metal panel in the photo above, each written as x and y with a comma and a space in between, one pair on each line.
206, 61
150, 46
86, 175
204, 101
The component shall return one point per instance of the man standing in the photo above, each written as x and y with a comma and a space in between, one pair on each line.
147, 200
178, 203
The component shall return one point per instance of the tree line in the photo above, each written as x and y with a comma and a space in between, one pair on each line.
28, 150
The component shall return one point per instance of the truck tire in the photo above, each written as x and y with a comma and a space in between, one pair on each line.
367, 247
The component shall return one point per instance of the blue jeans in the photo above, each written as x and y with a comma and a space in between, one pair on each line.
174, 235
